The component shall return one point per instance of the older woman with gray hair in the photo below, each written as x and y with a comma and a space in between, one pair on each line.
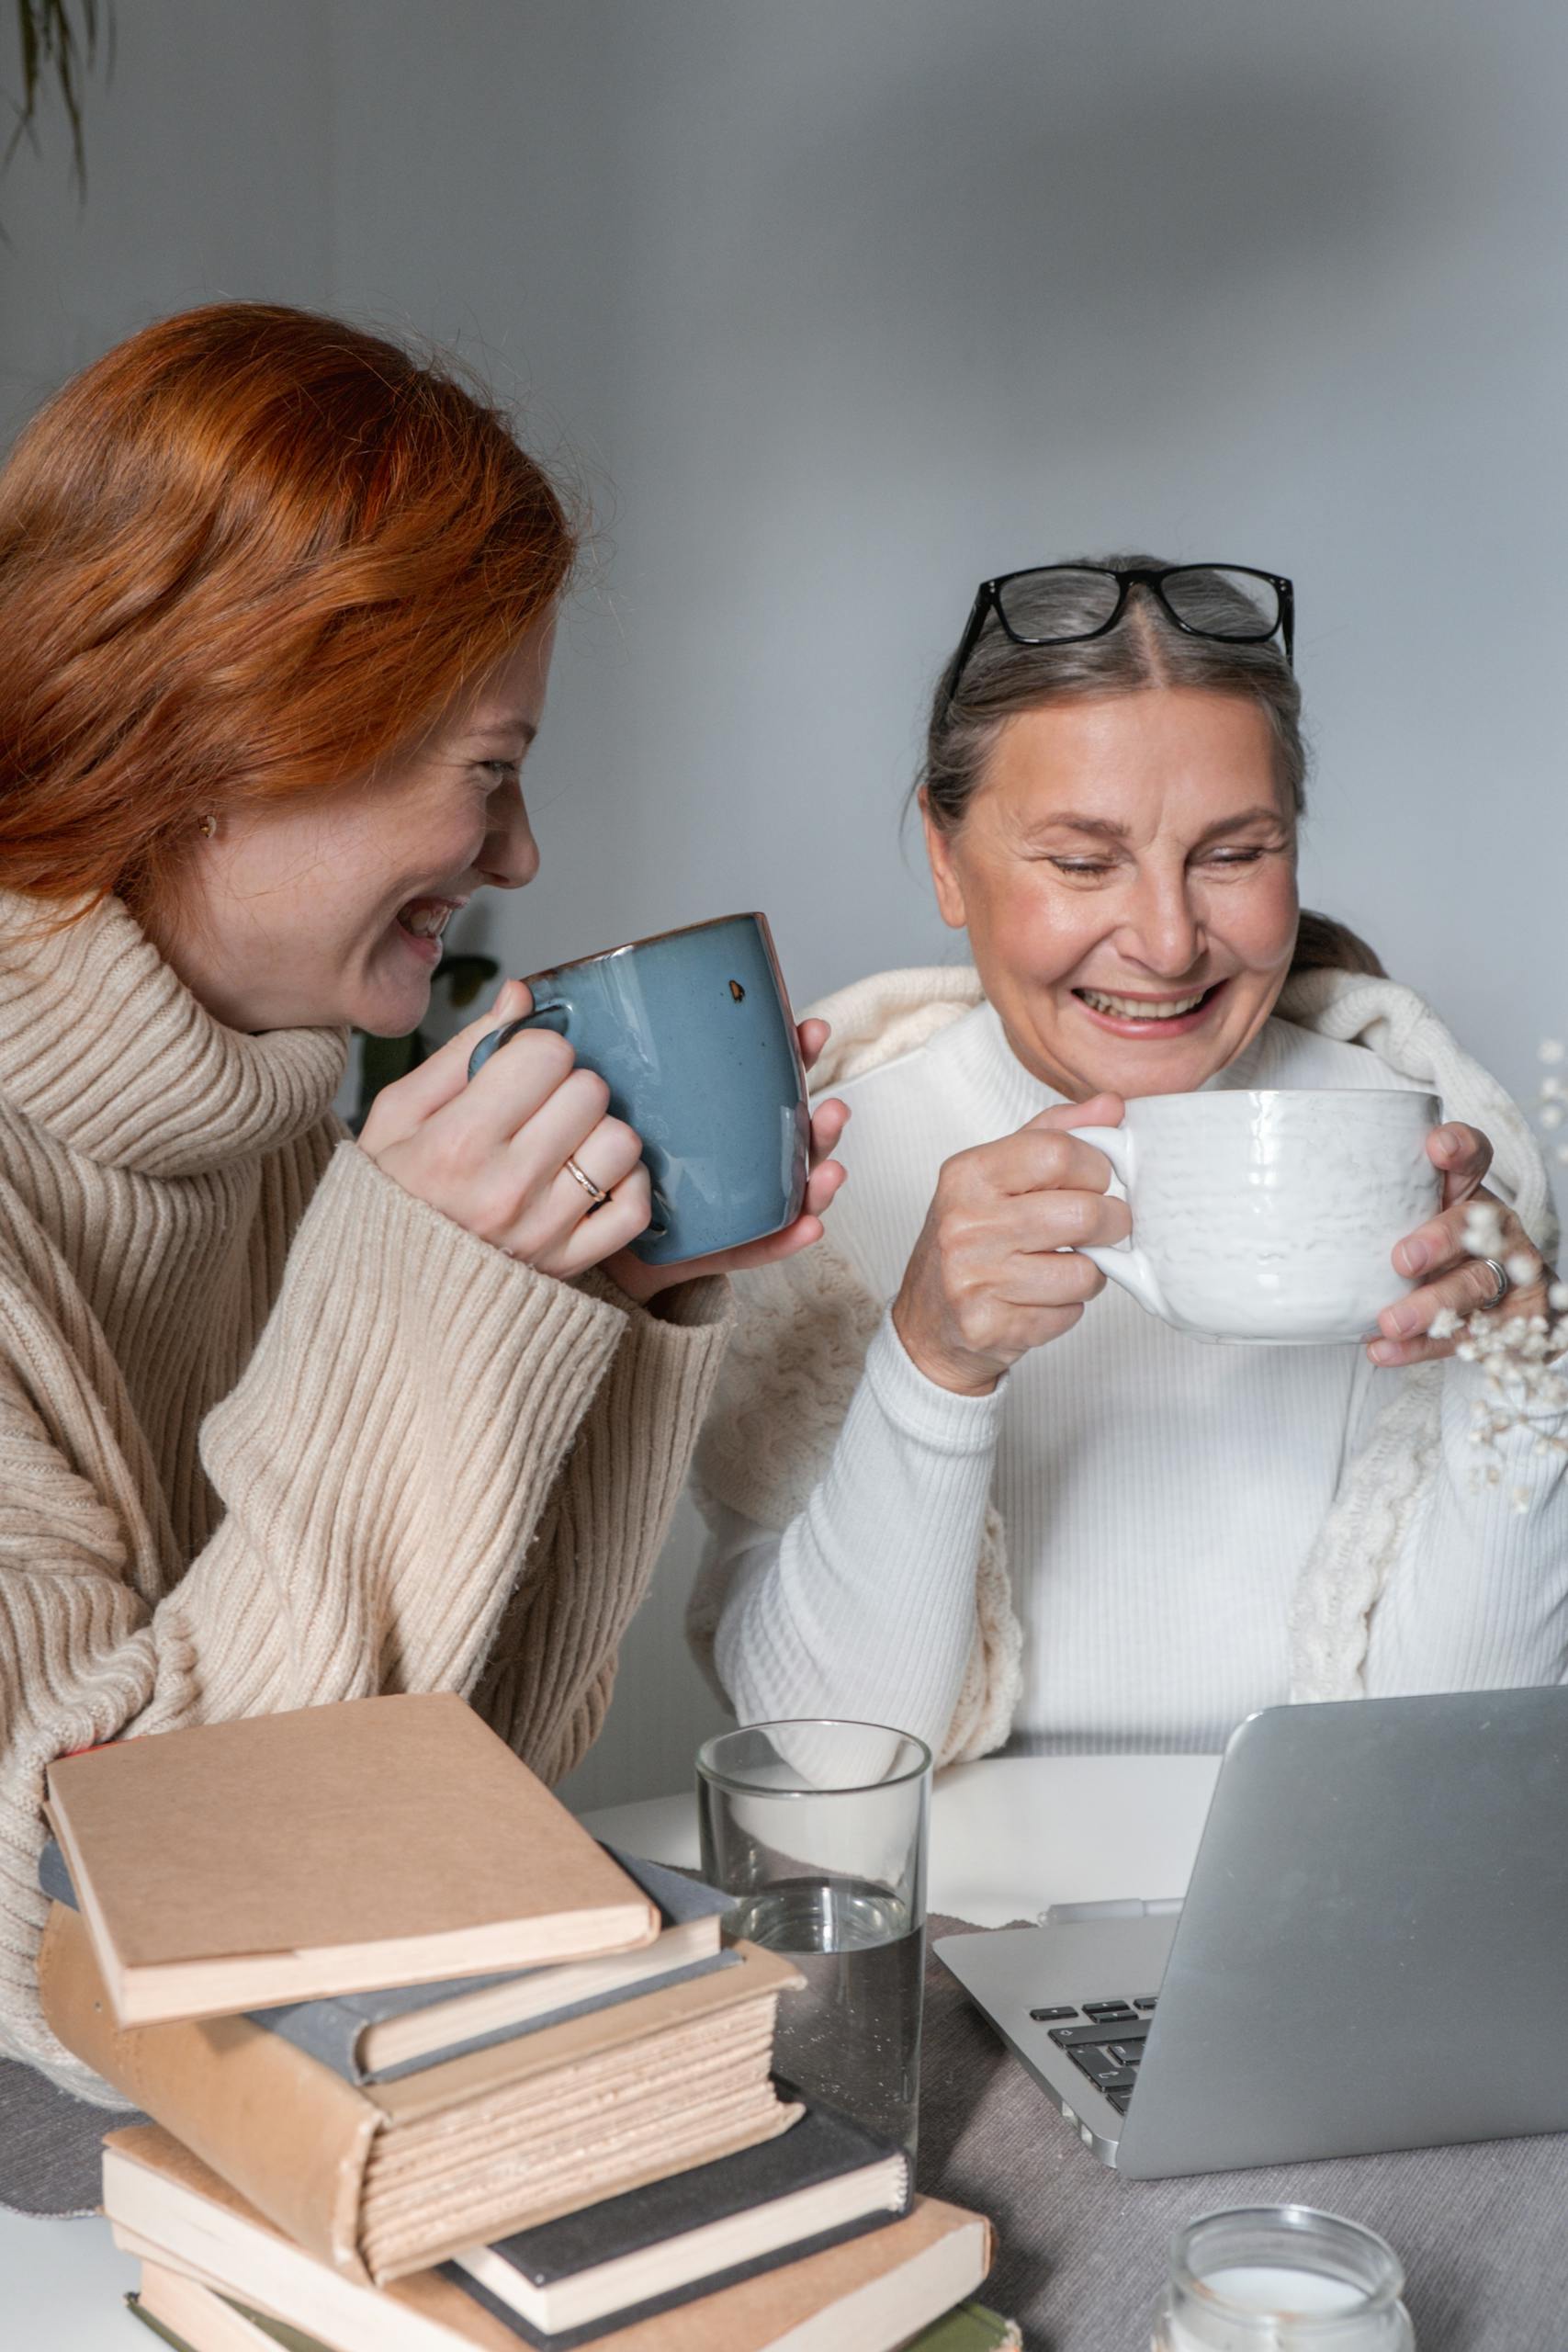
956, 1485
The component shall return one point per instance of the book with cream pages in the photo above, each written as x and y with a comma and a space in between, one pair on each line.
868, 2294
386, 2177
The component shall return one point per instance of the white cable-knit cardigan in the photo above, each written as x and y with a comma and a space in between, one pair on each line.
802, 1329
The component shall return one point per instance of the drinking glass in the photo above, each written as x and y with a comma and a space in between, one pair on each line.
1282, 2278
818, 1831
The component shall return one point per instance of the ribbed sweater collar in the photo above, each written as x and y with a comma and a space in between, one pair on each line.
104, 1046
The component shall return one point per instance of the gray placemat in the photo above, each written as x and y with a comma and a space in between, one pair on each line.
1081, 2253
49, 2144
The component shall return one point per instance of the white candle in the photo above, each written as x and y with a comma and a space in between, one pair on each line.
1283, 2294
1269, 2291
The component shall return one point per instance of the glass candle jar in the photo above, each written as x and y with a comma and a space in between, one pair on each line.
1282, 2278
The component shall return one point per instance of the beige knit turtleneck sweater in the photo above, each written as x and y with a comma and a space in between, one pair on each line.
273, 1431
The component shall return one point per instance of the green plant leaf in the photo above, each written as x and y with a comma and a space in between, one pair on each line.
63, 37
382, 1060
464, 976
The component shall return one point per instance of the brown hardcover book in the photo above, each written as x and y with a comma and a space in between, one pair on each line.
868, 2295
394, 2177
385, 1841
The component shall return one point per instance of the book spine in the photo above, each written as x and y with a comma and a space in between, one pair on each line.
165, 2334
284, 2130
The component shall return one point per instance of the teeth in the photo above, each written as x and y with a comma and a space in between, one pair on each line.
1128, 1008
426, 919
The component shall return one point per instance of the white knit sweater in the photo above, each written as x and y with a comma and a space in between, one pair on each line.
1193, 1531
273, 1431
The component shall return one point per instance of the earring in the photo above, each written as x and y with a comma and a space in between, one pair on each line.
207, 826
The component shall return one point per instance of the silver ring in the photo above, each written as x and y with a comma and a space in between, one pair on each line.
596, 1194
1500, 1276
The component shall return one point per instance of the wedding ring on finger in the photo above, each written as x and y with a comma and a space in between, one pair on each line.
1499, 1273
597, 1196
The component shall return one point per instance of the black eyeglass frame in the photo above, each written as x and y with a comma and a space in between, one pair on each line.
987, 599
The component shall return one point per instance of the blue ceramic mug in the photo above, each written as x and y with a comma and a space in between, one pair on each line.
692, 1033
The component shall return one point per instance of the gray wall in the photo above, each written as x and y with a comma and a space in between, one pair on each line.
836, 306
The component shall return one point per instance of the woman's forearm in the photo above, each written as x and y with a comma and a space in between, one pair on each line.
864, 1607
1478, 1597
383, 1461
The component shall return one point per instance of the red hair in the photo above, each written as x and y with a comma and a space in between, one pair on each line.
244, 556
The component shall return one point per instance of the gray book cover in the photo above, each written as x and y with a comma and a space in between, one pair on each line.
822, 2146
329, 2030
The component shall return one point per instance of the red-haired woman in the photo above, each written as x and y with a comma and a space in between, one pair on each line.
285, 1419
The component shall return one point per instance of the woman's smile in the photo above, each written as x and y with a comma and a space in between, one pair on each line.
1120, 1014
419, 925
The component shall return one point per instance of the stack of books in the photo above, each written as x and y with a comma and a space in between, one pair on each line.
431, 2069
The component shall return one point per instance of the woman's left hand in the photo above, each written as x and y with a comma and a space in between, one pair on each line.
1454, 1279
828, 1124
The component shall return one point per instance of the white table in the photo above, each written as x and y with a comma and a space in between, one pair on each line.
1009, 1836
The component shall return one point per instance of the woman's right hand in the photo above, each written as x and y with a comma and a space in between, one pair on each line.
492, 1155
997, 1270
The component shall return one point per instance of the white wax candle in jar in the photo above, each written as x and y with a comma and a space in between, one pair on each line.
1282, 2278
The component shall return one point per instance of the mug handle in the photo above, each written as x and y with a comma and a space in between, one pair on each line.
1124, 1261
544, 1016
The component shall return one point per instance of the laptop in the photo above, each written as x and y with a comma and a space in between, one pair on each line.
1372, 1951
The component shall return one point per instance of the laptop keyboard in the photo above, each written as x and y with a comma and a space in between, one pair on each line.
1104, 2039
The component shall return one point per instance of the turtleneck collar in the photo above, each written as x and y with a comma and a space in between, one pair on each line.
104, 1046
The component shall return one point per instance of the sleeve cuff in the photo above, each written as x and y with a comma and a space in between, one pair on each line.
933, 1415
370, 1197
702, 1305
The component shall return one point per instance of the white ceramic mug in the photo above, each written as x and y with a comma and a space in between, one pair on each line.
1270, 1216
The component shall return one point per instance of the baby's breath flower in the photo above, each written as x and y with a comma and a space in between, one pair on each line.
1443, 1325
1482, 1230
1523, 1358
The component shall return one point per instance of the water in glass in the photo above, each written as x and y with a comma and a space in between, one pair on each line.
851, 2036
